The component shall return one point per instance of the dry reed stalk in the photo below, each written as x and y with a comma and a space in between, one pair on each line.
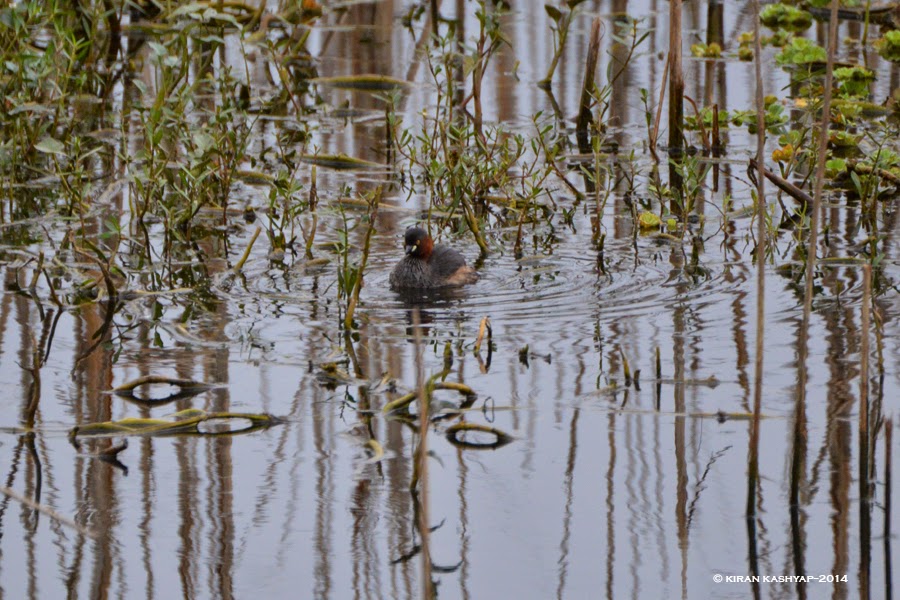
49, 512
658, 119
588, 88
676, 100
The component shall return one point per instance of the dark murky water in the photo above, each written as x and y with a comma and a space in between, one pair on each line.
621, 492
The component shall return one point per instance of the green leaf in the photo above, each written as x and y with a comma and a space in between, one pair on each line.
158, 50
48, 145
554, 12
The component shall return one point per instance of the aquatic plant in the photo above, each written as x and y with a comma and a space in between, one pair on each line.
562, 21
800, 51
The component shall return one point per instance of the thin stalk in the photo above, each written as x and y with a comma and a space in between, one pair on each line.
313, 203
562, 28
246, 255
64, 520
357, 285
472, 222
435, 17
477, 79
676, 101
588, 88
865, 36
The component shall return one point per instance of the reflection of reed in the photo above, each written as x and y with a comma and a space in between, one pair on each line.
464, 533
886, 534
611, 507
679, 331
568, 484
420, 482
865, 489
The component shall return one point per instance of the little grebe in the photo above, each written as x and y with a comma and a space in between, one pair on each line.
428, 266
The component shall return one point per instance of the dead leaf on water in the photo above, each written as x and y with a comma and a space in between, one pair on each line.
186, 422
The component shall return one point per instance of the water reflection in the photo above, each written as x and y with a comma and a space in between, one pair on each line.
609, 486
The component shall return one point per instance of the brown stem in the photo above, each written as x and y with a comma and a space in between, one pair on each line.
588, 89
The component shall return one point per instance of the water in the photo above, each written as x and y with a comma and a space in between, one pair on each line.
607, 490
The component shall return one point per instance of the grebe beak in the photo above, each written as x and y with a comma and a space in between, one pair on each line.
411, 249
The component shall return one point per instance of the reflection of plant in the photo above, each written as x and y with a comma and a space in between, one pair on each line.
702, 50
853, 81
889, 46
844, 3
782, 16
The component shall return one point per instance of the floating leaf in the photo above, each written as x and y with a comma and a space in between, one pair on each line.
183, 422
